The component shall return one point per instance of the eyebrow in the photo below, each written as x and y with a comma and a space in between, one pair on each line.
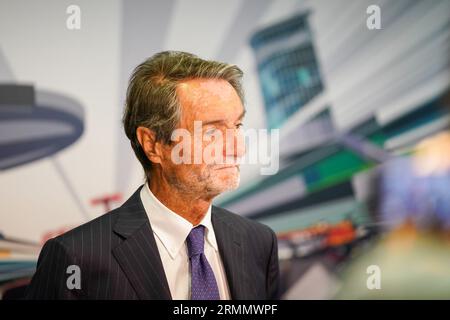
222, 120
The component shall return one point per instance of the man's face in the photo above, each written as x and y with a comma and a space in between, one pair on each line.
211, 112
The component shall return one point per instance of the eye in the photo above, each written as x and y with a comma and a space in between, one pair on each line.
239, 125
210, 131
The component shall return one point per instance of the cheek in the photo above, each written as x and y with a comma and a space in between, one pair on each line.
193, 172
214, 149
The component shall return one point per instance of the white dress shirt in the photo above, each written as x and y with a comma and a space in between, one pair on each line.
170, 231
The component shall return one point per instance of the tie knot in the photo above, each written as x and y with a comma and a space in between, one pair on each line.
195, 241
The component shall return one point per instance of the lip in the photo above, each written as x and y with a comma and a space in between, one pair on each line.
227, 167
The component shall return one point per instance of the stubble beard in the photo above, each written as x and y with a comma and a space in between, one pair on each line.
209, 183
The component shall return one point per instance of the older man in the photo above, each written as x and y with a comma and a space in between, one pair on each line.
183, 116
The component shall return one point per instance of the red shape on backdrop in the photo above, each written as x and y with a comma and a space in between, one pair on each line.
107, 200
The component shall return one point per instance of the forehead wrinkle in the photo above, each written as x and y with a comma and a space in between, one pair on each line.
199, 95
201, 88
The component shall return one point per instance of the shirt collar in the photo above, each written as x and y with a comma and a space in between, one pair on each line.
171, 228
210, 235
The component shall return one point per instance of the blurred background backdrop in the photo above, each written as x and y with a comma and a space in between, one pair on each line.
351, 104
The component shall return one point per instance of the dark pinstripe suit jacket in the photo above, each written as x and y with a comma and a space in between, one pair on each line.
119, 259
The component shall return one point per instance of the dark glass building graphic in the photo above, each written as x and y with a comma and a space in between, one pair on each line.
287, 67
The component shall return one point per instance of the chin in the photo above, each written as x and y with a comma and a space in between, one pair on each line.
222, 184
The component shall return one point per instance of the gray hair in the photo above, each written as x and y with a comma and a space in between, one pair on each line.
152, 100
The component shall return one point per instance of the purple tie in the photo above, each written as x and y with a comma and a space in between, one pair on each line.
203, 282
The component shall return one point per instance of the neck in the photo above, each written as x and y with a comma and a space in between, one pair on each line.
188, 205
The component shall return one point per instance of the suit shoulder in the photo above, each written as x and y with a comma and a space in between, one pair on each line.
243, 223
102, 224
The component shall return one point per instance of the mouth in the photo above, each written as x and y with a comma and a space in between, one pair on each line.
228, 167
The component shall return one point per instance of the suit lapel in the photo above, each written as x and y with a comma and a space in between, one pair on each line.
138, 254
232, 252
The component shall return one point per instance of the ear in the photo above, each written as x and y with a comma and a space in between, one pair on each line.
147, 140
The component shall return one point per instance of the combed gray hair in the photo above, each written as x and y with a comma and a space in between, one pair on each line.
152, 100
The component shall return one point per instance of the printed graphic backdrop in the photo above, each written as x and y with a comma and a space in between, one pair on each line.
345, 98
